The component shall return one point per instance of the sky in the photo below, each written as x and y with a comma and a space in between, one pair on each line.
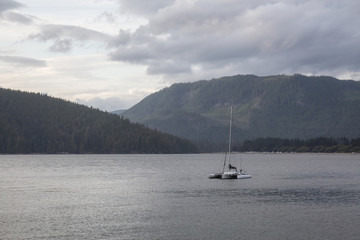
110, 54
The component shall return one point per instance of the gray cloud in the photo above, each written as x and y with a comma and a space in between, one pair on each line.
23, 61
61, 45
261, 37
6, 5
16, 17
168, 67
144, 7
63, 36
6, 14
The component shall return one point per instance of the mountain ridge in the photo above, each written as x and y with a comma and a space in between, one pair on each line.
285, 106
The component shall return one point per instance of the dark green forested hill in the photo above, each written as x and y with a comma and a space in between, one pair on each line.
36, 123
274, 106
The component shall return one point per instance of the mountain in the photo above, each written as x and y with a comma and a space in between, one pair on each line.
36, 123
273, 106
118, 112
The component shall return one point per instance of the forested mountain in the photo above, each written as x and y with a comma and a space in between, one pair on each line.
36, 123
274, 106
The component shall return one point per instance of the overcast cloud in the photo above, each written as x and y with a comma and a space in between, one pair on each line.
6, 14
23, 61
261, 37
9, 4
63, 36
135, 44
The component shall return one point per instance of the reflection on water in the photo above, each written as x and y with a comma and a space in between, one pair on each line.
308, 196
274, 196
291, 196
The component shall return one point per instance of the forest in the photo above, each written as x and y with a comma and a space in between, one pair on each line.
316, 145
37, 123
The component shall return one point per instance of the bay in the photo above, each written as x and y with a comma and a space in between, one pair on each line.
290, 196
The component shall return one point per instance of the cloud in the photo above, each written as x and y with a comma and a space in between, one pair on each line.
101, 103
144, 7
19, 18
225, 37
23, 61
107, 16
108, 104
6, 5
61, 45
118, 102
63, 36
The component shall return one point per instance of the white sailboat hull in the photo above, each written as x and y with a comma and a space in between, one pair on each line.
229, 175
215, 175
243, 176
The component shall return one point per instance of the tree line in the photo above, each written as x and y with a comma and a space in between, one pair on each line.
37, 123
318, 145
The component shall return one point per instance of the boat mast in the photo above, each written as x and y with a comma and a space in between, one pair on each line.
231, 112
229, 150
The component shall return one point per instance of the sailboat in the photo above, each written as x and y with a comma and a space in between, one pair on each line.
231, 171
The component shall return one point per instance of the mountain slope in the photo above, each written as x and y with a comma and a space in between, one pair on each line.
36, 123
275, 106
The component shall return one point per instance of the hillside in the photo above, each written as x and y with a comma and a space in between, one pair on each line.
36, 123
275, 106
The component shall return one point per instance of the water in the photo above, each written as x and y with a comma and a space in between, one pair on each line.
291, 196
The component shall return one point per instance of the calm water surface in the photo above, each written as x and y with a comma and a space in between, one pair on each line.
291, 196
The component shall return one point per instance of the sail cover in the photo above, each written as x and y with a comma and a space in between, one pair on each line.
232, 167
